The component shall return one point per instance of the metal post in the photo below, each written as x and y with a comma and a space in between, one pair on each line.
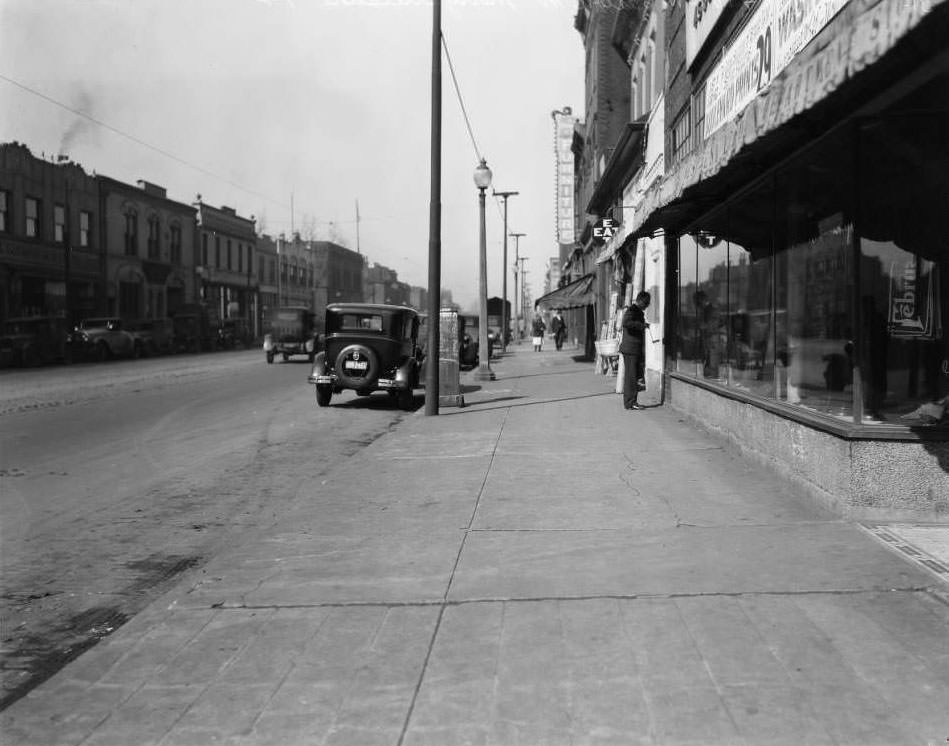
517, 299
505, 322
484, 366
434, 219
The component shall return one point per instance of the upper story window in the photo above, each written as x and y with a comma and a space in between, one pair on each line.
59, 223
228, 253
175, 232
240, 257
131, 233
217, 251
260, 269
85, 228
250, 258
31, 211
273, 271
4, 212
698, 115
682, 134
204, 250
154, 237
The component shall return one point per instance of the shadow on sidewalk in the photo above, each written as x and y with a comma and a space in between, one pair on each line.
477, 405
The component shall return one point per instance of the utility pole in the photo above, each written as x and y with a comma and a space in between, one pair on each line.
504, 320
432, 379
517, 298
357, 227
524, 288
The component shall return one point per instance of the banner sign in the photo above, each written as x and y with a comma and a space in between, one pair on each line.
777, 31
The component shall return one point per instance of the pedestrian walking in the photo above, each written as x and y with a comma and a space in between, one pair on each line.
538, 327
633, 349
559, 327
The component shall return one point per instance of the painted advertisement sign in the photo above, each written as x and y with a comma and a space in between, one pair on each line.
914, 299
777, 31
700, 18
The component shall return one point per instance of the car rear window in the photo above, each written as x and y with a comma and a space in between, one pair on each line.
359, 322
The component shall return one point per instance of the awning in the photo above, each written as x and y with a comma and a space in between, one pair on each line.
577, 294
861, 35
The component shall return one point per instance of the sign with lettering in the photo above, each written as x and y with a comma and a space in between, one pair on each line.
777, 31
913, 299
605, 228
700, 18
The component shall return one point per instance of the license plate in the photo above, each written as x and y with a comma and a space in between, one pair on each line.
356, 365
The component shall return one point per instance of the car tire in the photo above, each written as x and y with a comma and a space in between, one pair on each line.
406, 400
103, 353
286, 357
323, 395
372, 371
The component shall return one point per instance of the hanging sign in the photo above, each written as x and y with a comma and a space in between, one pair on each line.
605, 229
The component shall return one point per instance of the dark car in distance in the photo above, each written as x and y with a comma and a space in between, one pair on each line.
36, 340
291, 330
369, 347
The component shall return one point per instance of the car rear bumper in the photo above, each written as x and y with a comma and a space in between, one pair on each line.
380, 384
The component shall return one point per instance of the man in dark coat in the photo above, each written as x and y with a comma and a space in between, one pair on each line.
633, 349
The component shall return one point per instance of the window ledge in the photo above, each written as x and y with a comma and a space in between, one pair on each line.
824, 423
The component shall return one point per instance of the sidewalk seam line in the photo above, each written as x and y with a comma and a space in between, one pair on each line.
444, 601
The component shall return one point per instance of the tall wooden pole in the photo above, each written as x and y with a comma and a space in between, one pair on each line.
435, 219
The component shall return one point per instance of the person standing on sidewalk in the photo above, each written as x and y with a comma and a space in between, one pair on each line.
538, 327
559, 327
633, 349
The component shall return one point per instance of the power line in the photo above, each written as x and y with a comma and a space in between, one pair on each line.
137, 140
461, 102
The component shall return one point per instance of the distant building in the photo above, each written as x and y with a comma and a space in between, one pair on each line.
148, 245
50, 242
226, 249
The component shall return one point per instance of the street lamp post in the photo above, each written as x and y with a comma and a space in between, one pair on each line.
482, 180
504, 319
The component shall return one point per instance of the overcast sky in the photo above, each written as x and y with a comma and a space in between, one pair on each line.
328, 101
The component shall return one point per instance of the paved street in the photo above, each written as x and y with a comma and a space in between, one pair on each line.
538, 567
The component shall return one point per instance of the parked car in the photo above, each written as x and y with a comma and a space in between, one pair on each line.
291, 330
234, 333
369, 347
152, 336
104, 338
35, 340
195, 328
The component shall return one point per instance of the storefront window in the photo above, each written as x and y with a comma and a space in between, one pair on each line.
711, 305
904, 258
687, 352
752, 349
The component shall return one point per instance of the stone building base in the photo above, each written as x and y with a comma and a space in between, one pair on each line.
881, 480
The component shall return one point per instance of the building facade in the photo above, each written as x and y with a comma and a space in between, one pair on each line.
803, 208
50, 239
226, 263
148, 245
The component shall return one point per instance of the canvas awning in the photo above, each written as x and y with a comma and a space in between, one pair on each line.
577, 294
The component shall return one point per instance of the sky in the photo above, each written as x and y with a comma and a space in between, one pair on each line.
294, 111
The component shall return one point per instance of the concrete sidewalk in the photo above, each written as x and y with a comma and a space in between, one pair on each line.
538, 567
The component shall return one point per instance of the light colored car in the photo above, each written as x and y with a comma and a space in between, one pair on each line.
105, 338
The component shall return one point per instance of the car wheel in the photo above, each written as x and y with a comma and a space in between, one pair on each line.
323, 395
286, 356
103, 352
406, 400
269, 357
138, 351
347, 361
